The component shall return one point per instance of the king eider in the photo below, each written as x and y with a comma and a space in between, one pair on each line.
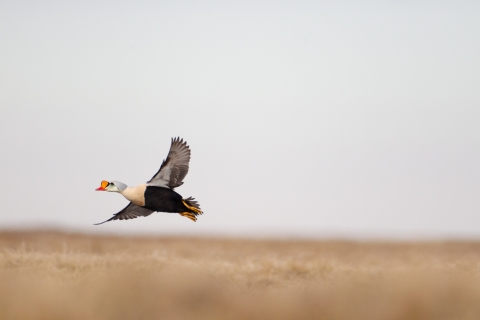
157, 194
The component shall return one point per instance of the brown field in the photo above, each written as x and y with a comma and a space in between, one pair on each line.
51, 275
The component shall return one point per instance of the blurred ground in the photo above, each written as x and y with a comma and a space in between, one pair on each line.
52, 275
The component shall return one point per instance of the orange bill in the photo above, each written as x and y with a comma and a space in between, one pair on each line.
103, 185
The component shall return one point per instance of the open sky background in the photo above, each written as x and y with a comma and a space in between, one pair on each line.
305, 118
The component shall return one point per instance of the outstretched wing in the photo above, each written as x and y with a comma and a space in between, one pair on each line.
131, 211
173, 169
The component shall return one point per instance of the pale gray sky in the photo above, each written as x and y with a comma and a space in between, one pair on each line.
305, 118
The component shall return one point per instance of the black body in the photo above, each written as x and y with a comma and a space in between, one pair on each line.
164, 200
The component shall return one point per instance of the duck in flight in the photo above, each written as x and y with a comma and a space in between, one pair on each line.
158, 194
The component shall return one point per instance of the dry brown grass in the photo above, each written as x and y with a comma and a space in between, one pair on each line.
50, 275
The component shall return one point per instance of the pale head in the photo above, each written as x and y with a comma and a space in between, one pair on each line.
114, 186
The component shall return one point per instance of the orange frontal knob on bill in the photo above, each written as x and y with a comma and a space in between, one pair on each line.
103, 185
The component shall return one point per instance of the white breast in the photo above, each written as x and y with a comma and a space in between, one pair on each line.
135, 194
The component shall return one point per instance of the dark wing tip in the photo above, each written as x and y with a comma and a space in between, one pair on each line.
180, 141
96, 224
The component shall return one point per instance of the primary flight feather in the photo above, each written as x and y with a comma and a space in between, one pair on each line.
158, 194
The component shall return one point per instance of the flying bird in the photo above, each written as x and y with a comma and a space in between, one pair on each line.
158, 194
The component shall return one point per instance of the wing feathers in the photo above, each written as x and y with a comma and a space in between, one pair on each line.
131, 211
173, 169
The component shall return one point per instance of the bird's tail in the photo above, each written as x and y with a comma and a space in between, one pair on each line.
193, 207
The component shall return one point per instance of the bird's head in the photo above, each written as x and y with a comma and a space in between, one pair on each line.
113, 186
